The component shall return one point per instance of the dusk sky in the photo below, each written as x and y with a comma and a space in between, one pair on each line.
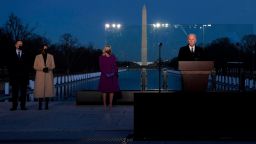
85, 19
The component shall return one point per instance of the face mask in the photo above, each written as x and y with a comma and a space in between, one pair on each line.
20, 47
108, 52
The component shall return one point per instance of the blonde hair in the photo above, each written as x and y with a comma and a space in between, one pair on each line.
107, 50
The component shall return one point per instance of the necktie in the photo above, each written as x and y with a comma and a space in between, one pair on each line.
19, 54
192, 50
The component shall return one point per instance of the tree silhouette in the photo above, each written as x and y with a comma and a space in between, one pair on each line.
15, 29
249, 47
68, 44
221, 51
69, 56
249, 43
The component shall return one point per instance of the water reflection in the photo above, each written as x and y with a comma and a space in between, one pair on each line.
128, 80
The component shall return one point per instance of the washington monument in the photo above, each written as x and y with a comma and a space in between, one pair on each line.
144, 41
144, 49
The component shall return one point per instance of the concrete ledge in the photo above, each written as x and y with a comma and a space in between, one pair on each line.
95, 98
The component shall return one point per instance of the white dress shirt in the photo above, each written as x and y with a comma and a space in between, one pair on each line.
192, 48
19, 52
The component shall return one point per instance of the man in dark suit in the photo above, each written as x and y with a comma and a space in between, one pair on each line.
18, 68
191, 52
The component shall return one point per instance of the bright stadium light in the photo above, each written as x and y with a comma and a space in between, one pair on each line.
113, 26
107, 26
118, 26
159, 25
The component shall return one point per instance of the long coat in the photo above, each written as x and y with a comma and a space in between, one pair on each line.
108, 84
44, 86
18, 68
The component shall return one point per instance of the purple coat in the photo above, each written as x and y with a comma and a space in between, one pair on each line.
109, 74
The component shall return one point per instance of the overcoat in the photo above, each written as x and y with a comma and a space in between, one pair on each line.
44, 85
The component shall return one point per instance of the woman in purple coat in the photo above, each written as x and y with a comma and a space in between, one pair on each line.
109, 76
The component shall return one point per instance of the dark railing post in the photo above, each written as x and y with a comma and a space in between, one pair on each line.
143, 79
159, 67
213, 75
241, 79
254, 80
165, 79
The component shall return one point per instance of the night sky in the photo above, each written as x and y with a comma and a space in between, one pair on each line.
85, 19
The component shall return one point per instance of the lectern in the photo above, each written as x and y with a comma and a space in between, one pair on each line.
195, 75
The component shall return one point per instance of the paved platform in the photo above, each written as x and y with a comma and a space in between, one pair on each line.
67, 123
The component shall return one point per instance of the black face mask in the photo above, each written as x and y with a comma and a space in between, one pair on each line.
44, 51
21, 47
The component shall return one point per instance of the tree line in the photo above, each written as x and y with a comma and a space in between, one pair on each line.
70, 56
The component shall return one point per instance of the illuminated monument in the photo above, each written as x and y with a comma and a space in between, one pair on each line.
144, 49
144, 46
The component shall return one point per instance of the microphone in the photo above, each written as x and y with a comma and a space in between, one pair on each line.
160, 44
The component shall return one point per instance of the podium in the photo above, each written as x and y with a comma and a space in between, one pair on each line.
195, 75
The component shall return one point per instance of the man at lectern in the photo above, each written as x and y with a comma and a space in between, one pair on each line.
191, 52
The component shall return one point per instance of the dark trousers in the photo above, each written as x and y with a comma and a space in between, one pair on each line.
19, 87
40, 100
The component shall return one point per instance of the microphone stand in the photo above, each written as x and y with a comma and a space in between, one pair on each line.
159, 67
